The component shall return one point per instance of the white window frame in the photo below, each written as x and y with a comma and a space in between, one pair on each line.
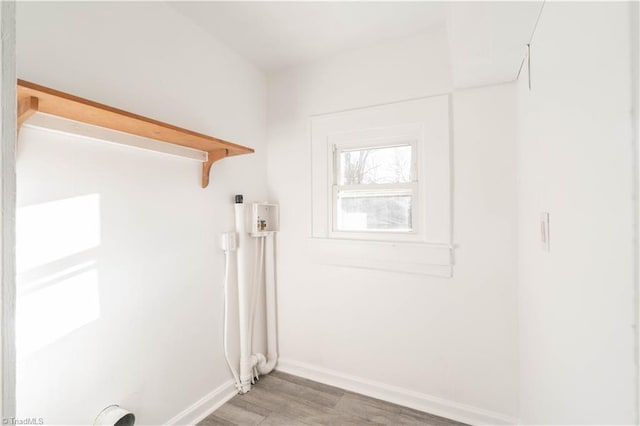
426, 121
406, 137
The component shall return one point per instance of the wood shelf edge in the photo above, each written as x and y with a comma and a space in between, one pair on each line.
34, 98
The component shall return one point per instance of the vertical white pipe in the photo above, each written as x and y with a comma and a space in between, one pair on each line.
244, 296
225, 321
256, 285
270, 283
266, 365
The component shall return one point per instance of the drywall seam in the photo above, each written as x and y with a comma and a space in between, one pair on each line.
206, 405
397, 395
528, 51
8, 204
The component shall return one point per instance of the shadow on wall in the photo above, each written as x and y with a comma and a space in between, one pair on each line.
57, 274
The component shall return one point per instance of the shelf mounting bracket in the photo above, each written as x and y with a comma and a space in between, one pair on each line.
27, 106
212, 157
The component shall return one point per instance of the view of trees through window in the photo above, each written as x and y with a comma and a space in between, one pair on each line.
384, 199
376, 165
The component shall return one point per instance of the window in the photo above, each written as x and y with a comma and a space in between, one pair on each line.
380, 177
381, 187
375, 187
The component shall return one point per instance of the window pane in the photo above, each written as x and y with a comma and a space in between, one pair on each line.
388, 210
375, 165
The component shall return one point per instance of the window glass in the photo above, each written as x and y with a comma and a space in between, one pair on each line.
390, 164
376, 210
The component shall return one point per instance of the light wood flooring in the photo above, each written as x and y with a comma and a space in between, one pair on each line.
282, 399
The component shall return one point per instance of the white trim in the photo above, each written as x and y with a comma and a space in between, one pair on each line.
397, 395
635, 97
206, 405
376, 138
425, 120
401, 257
8, 205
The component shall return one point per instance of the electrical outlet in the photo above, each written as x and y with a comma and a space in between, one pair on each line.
229, 241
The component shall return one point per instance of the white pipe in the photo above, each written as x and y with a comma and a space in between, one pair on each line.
248, 291
244, 295
255, 292
265, 365
236, 378
257, 283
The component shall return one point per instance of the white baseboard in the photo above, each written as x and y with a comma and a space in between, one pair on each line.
195, 413
405, 397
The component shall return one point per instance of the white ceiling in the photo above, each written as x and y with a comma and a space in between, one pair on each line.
486, 39
279, 34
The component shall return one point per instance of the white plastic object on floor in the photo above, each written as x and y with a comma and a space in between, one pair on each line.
114, 415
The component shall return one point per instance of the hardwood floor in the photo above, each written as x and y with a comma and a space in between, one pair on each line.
282, 399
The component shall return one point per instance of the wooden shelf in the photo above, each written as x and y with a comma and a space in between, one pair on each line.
33, 98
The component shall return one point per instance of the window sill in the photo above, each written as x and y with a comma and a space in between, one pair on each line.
412, 258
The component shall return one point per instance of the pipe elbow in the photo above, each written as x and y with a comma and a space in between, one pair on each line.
259, 360
266, 366
256, 359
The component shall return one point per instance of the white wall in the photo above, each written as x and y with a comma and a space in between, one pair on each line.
144, 319
145, 328
575, 159
449, 344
